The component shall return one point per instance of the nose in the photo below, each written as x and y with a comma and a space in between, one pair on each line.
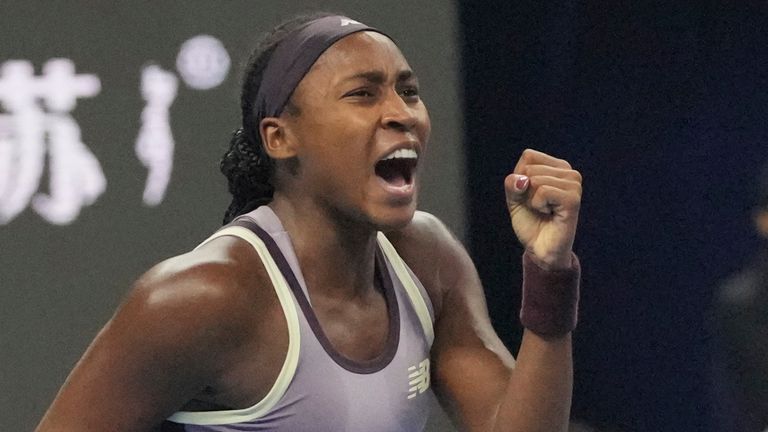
397, 114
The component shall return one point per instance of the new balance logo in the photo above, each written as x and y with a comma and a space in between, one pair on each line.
418, 379
347, 21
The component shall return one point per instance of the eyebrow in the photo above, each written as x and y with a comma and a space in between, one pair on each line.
377, 77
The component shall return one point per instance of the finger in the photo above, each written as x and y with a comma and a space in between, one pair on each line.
546, 170
534, 157
548, 199
557, 182
516, 188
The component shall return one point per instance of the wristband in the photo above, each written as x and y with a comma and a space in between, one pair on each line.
550, 297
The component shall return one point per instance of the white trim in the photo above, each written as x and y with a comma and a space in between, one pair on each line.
417, 300
292, 356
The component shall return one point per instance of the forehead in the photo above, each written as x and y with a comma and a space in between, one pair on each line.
359, 52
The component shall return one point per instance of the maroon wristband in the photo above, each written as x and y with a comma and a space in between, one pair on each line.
550, 297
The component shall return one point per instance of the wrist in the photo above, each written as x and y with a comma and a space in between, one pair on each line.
552, 261
550, 295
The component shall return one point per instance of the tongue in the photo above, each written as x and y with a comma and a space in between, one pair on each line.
396, 180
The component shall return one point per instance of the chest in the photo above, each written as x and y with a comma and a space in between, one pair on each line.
358, 334
356, 330
389, 390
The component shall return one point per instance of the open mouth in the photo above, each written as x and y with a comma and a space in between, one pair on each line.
397, 168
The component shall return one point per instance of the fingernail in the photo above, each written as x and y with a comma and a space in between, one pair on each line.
521, 183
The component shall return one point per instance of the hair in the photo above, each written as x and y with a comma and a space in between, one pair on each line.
246, 164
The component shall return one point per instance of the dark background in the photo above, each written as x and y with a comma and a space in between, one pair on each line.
662, 107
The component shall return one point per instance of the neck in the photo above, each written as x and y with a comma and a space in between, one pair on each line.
336, 254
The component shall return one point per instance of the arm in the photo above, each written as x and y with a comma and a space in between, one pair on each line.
167, 341
475, 375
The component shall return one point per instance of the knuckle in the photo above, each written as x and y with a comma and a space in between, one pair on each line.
577, 176
526, 155
547, 189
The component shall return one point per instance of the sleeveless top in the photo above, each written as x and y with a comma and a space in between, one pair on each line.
318, 389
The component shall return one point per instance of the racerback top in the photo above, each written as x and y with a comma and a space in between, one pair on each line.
318, 389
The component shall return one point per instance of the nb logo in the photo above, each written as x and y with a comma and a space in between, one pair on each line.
418, 379
347, 21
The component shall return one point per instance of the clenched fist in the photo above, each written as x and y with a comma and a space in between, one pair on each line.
543, 198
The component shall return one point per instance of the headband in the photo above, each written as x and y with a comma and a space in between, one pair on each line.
295, 55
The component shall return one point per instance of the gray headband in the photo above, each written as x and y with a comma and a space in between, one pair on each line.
293, 58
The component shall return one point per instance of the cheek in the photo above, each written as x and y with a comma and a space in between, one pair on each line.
349, 135
425, 127
342, 147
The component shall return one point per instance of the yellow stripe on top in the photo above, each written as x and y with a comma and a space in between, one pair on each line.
288, 370
414, 293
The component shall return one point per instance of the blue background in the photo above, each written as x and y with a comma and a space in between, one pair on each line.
662, 107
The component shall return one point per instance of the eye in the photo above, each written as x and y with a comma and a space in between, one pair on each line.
410, 92
364, 92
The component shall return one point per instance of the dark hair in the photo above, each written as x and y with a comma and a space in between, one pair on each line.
246, 165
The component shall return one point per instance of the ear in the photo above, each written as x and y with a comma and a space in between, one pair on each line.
276, 138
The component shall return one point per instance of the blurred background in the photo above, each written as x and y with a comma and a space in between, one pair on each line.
113, 118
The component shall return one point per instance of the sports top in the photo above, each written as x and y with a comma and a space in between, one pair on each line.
318, 389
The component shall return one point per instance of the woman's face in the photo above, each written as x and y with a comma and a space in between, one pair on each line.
361, 131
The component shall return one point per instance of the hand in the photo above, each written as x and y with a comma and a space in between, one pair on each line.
543, 198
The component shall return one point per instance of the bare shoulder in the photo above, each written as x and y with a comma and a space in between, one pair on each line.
202, 306
212, 287
182, 325
434, 254
214, 272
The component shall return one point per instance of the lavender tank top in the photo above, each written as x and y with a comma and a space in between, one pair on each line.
317, 388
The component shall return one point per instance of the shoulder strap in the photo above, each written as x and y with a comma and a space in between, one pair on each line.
414, 293
288, 370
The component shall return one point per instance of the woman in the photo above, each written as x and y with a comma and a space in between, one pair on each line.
300, 314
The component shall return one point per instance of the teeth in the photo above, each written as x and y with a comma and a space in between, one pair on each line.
401, 154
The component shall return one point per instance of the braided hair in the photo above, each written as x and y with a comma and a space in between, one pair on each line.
246, 164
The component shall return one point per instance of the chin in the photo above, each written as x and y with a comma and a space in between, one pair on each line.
392, 219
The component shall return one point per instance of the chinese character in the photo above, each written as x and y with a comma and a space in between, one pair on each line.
28, 133
154, 145
203, 64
